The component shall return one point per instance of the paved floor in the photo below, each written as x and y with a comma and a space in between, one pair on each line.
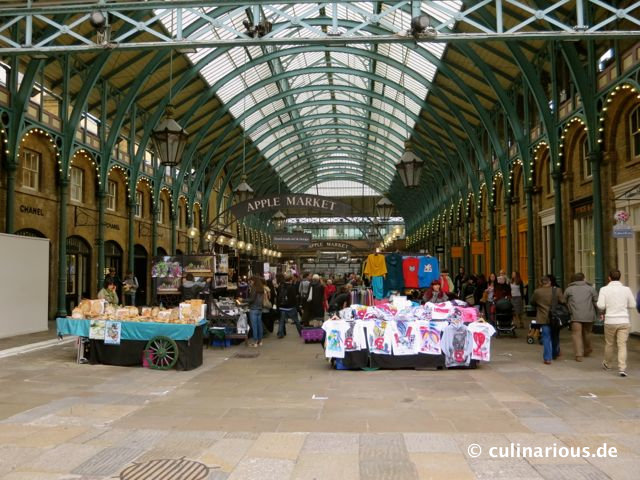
284, 414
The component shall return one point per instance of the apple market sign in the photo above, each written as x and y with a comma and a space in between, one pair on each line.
291, 201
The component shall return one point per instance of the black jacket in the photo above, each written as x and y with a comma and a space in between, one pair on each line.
287, 296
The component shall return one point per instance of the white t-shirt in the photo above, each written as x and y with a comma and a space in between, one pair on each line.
406, 338
380, 334
481, 333
456, 344
355, 338
334, 343
429, 336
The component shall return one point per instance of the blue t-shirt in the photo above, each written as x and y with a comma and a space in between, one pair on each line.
377, 284
428, 271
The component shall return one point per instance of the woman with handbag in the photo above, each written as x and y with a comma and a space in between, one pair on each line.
544, 298
255, 301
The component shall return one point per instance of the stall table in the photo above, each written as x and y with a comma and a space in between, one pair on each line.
134, 339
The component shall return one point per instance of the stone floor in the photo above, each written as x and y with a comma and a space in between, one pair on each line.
285, 415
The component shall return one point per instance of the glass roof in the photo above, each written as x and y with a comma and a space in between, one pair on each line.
342, 188
357, 94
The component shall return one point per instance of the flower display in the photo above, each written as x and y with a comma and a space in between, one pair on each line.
621, 216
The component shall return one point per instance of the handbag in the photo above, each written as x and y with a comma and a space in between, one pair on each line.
266, 303
470, 299
559, 316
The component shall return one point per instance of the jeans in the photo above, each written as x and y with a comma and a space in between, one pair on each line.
130, 299
286, 313
616, 336
255, 316
550, 342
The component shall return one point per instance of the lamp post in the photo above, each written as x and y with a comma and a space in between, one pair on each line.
279, 220
385, 208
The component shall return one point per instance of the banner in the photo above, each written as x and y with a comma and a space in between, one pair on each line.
477, 248
292, 239
327, 244
291, 201
456, 252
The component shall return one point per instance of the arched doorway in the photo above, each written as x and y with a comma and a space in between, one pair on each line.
30, 232
162, 252
113, 259
78, 271
179, 252
140, 270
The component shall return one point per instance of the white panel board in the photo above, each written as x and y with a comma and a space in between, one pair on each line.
24, 285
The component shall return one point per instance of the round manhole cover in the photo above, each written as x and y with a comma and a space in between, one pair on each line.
166, 470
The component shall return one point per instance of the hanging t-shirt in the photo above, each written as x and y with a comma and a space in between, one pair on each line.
377, 284
394, 280
428, 271
376, 265
481, 333
334, 343
410, 266
441, 311
355, 338
380, 336
456, 345
405, 338
429, 337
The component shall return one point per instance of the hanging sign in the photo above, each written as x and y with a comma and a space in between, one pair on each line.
456, 252
621, 229
477, 248
292, 239
291, 201
340, 245
439, 249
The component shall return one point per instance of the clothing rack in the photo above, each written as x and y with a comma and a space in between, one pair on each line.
362, 296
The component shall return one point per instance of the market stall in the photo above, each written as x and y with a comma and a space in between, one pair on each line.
160, 339
401, 335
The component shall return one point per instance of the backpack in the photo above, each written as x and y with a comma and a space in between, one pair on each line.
559, 316
283, 294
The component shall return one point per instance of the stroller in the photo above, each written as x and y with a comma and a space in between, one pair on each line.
533, 334
504, 318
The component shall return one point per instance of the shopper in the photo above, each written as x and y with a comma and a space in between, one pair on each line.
341, 300
459, 282
581, 300
445, 281
615, 300
434, 293
488, 296
130, 287
468, 292
329, 292
501, 289
315, 300
113, 276
517, 298
542, 299
303, 294
256, 295
287, 301
108, 292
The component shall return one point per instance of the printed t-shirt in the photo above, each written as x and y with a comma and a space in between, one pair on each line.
481, 333
410, 266
429, 337
355, 338
441, 311
380, 336
377, 284
456, 345
428, 271
334, 343
376, 265
394, 279
405, 338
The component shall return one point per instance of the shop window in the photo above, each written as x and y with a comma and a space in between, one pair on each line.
139, 204
634, 120
77, 181
31, 169
586, 163
112, 195
161, 211
584, 256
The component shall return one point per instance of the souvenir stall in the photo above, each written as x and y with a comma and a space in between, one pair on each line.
182, 277
400, 335
155, 337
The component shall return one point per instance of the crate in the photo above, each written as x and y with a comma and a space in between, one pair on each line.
312, 335
221, 343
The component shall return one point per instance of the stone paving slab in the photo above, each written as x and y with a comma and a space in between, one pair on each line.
263, 469
331, 443
108, 461
61, 459
430, 443
277, 445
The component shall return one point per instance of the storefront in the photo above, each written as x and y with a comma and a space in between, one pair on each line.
78, 271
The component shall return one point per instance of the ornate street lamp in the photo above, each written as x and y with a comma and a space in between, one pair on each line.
243, 192
279, 220
410, 167
384, 207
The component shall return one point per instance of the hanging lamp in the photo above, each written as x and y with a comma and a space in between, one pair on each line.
243, 191
384, 208
169, 138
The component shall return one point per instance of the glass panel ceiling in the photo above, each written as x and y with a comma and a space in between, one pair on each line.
354, 84
342, 188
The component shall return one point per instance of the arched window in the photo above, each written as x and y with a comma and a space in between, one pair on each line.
634, 123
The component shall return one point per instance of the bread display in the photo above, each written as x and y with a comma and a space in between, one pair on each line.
189, 312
